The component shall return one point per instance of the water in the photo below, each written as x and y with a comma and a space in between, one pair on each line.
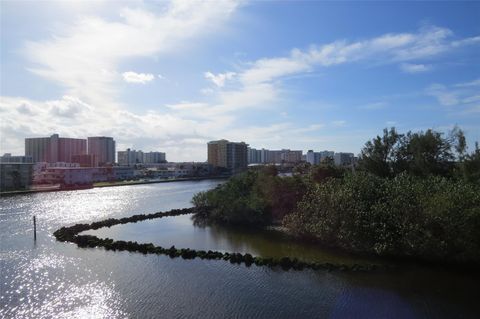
50, 279
183, 233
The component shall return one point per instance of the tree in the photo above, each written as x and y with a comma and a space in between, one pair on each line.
379, 155
470, 167
420, 153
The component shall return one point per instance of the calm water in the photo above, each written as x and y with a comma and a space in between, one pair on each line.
50, 279
183, 233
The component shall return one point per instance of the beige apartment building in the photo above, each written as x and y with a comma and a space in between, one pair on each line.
230, 155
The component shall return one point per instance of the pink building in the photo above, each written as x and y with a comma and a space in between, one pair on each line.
54, 148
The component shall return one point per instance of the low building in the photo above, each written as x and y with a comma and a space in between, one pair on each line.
123, 173
8, 158
15, 176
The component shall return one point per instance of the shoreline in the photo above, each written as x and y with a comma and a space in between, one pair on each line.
111, 184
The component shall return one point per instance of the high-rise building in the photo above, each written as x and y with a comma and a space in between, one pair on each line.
154, 157
289, 156
103, 150
343, 159
254, 156
230, 155
325, 154
315, 158
54, 148
274, 156
85, 160
132, 157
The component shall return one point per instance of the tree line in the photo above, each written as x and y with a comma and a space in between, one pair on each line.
412, 195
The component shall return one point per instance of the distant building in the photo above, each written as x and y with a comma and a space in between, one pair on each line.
15, 176
316, 158
313, 157
325, 154
132, 157
254, 156
265, 156
8, 158
289, 156
128, 157
154, 157
344, 159
123, 173
103, 150
54, 148
85, 160
230, 155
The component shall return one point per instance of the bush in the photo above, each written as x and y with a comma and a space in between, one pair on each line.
431, 218
252, 198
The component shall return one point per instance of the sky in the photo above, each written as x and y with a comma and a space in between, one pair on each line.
171, 76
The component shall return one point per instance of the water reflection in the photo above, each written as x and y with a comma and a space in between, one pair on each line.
182, 232
59, 280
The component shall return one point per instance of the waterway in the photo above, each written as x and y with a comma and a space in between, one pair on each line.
46, 278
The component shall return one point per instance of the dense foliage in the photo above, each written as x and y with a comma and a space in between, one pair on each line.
413, 195
421, 154
257, 197
430, 218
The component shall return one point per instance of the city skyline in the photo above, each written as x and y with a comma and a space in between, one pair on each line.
181, 74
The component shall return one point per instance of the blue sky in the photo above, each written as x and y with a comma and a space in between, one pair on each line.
170, 76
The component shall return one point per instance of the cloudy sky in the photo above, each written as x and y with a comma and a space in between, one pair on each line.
170, 76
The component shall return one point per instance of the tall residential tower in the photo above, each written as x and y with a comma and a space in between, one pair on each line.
102, 149
54, 148
230, 155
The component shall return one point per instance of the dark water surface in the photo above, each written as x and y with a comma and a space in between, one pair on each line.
48, 279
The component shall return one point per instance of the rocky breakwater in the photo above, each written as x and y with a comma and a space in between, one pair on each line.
71, 234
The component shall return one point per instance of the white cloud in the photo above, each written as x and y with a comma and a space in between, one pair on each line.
259, 82
461, 95
415, 68
83, 57
339, 123
133, 77
471, 99
71, 117
374, 106
391, 48
220, 78
468, 84
442, 94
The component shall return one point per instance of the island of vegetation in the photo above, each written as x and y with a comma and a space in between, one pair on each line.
411, 196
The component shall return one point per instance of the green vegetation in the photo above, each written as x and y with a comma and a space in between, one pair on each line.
415, 195
256, 198
433, 218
